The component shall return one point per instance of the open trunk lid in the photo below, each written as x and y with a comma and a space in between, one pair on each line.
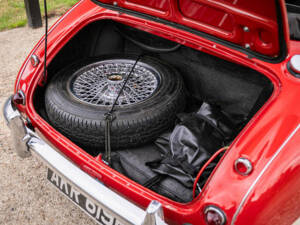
255, 26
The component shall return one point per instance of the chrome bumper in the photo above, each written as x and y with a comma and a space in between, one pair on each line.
26, 141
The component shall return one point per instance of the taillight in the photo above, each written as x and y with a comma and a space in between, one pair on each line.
19, 98
214, 216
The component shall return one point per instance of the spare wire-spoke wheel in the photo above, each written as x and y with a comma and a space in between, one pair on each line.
101, 82
78, 97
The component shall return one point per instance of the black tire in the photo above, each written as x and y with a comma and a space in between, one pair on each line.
134, 125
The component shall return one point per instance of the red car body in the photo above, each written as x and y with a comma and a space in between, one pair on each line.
271, 193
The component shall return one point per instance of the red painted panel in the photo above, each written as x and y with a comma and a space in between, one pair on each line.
206, 14
250, 24
162, 5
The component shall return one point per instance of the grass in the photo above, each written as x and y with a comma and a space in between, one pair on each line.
12, 12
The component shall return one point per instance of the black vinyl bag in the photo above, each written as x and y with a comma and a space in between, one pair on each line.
170, 165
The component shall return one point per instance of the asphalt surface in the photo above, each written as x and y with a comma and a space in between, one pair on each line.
25, 195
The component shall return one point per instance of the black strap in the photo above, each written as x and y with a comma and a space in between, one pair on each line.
220, 131
109, 117
153, 181
180, 162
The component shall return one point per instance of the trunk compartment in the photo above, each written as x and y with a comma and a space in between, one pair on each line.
234, 91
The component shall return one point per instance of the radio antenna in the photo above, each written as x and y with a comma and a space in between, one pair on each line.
46, 39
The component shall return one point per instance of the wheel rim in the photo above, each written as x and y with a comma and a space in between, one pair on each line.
99, 83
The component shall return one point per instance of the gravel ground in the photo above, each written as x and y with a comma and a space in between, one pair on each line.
26, 197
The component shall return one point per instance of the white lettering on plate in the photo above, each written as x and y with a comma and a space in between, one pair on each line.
75, 193
63, 184
90, 206
105, 218
54, 178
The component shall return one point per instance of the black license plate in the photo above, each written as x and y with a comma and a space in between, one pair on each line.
81, 200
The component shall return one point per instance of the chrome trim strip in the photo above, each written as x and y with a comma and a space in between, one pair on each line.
120, 208
261, 174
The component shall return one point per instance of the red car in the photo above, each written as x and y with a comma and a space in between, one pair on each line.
167, 112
